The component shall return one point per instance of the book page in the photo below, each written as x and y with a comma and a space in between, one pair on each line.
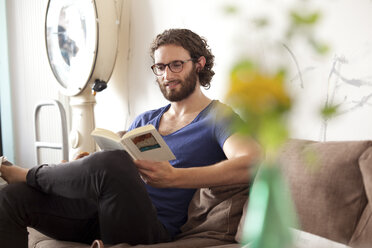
106, 133
107, 144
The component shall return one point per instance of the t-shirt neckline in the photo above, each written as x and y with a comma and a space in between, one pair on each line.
195, 119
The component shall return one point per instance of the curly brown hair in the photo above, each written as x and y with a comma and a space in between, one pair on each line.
197, 46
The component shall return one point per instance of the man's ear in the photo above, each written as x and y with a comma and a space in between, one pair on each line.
200, 63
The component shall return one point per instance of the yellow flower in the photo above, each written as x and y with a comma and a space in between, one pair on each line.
262, 101
255, 92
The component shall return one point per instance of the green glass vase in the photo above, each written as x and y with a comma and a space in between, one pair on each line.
270, 211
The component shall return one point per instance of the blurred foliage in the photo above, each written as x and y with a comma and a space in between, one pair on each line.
302, 24
261, 97
261, 22
299, 18
329, 111
319, 47
230, 9
262, 100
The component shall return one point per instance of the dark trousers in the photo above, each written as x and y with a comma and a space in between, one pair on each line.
99, 196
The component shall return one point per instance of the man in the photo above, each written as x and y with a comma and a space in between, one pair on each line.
107, 195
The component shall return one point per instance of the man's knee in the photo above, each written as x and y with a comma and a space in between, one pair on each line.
14, 196
112, 163
13, 231
12, 191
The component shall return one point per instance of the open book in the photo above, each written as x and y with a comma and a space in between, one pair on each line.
143, 143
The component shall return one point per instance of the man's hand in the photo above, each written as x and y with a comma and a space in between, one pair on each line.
80, 155
121, 133
157, 174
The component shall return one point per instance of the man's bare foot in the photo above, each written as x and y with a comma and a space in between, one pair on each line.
13, 173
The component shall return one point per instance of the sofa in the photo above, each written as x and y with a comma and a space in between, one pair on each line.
331, 188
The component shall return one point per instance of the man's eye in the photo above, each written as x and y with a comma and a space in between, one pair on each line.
176, 64
160, 67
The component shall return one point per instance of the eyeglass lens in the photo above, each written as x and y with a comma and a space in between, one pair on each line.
175, 66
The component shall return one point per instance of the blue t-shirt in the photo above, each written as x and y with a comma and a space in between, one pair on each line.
197, 144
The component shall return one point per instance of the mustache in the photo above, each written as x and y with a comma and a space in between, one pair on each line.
166, 83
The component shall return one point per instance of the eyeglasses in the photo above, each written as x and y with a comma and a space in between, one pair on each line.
174, 66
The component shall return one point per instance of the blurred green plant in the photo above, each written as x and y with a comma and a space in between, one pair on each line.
300, 19
263, 101
329, 111
270, 212
303, 24
230, 9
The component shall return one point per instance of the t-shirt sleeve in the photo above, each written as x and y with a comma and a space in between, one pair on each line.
142, 120
225, 123
135, 123
148, 117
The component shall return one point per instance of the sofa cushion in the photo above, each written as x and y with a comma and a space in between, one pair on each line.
39, 240
239, 231
326, 185
183, 243
215, 212
214, 215
362, 237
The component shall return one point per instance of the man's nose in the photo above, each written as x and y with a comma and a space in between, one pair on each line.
167, 73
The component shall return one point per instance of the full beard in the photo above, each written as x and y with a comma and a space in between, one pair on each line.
187, 88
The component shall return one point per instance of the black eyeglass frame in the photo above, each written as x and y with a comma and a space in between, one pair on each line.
153, 67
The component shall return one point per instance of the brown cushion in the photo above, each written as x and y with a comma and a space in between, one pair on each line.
215, 212
38, 240
362, 237
213, 217
183, 243
329, 194
239, 231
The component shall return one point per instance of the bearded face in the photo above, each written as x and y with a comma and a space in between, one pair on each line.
187, 87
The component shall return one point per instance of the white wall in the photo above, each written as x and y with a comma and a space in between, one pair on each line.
344, 75
347, 33
132, 88
148, 18
30, 77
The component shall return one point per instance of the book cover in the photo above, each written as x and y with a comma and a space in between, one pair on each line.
143, 143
